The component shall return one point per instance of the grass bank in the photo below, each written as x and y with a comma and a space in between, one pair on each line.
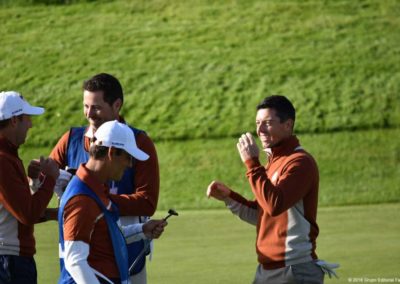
196, 69
213, 246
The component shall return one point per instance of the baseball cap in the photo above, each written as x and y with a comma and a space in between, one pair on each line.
119, 135
13, 104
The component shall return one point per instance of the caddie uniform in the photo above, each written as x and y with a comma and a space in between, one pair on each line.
92, 244
19, 211
136, 194
284, 211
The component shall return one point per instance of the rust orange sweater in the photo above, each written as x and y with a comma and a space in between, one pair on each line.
19, 209
286, 193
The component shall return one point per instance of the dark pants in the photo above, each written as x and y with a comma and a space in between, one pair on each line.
302, 273
16, 269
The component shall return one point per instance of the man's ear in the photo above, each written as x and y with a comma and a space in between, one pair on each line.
13, 120
111, 153
289, 124
117, 105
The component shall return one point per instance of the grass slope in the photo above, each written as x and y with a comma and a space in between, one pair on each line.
196, 69
212, 246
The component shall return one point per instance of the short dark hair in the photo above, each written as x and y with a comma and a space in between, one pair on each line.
283, 107
111, 87
98, 152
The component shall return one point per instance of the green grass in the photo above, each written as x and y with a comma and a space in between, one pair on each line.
355, 168
196, 69
213, 246
193, 72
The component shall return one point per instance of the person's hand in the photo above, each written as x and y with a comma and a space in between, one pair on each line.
34, 169
154, 228
218, 190
61, 183
49, 167
247, 147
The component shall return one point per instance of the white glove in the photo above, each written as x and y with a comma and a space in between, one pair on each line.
34, 184
61, 183
328, 268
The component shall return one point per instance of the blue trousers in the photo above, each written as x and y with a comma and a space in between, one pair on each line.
16, 269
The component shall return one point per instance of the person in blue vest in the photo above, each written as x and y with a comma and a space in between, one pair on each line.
137, 192
92, 240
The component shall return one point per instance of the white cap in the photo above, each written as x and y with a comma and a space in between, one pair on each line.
13, 104
119, 135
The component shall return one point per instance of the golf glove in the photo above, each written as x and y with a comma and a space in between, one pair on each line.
328, 268
34, 185
61, 183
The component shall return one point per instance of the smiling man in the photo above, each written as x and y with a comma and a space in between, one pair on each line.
136, 193
286, 197
92, 240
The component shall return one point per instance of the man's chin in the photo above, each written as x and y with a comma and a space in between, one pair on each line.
266, 145
95, 125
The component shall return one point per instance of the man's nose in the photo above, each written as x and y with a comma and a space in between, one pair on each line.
261, 128
89, 112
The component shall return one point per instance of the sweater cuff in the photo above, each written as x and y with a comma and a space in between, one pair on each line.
252, 163
48, 182
236, 197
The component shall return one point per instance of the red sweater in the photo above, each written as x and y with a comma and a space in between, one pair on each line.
19, 209
286, 193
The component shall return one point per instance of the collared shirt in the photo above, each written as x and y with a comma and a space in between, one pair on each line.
19, 209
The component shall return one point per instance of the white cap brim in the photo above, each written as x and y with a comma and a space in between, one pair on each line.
137, 154
32, 110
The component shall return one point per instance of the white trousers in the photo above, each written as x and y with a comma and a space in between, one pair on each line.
140, 278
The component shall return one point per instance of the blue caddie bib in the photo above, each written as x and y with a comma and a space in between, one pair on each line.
77, 187
76, 155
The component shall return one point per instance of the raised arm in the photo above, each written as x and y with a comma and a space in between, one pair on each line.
239, 206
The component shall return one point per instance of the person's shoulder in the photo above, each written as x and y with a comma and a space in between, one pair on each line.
141, 135
136, 130
302, 156
7, 159
81, 200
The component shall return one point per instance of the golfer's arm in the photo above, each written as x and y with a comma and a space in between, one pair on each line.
59, 152
75, 257
294, 183
133, 232
246, 210
16, 197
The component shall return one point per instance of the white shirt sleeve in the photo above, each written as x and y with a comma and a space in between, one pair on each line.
133, 232
247, 214
75, 259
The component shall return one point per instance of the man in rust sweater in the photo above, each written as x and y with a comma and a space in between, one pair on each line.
136, 193
92, 242
19, 209
286, 197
